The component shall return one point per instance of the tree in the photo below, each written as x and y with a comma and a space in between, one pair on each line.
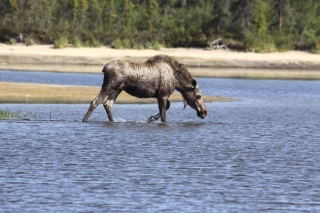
220, 15
306, 23
242, 13
261, 21
286, 23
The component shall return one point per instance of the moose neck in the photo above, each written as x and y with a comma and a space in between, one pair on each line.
182, 87
183, 79
179, 87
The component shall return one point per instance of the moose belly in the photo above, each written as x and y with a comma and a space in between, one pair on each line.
140, 92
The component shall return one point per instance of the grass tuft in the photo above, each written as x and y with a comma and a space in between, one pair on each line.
29, 41
12, 41
126, 43
76, 42
61, 43
8, 114
155, 45
116, 44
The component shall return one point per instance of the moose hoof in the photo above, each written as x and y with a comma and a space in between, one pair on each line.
154, 117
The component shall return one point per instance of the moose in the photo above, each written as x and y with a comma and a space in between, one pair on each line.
156, 78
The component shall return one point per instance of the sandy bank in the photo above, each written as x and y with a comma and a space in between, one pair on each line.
293, 74
44, 93
45, 54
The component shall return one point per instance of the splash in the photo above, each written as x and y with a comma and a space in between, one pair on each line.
120, 120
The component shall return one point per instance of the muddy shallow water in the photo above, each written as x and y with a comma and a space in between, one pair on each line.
257, 154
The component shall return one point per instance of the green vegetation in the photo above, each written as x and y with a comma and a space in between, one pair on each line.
29, 41
117, 44
262, 25
8, 114
76, 42
126, 43
155, 45
12, 41
61, 43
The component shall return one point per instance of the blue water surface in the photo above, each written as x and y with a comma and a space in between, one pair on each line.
259, 153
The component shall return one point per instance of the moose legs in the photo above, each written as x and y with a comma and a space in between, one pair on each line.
94, 103
108, 104
164, 104
108, 98
101, 97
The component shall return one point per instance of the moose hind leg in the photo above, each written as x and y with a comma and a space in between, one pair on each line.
94, 103
108, 104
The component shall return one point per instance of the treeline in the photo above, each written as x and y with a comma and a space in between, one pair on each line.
263, 25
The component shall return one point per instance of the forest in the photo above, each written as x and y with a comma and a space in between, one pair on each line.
259, 25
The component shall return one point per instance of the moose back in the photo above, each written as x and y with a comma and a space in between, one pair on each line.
156, 78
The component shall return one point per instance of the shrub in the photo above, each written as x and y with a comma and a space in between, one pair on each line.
147, 45
234, 44
12, 41
29, 41
126, 43
76, 42
318, 47
155, 45
94, 42
259, 44
116, 44
138, 47
268, 46
283, 42
86, 44
250, 41
62, 42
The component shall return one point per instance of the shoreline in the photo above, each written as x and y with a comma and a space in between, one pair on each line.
201, 63
19, 54
236, 73
51, 93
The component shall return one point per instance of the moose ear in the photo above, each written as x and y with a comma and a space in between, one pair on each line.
194, 83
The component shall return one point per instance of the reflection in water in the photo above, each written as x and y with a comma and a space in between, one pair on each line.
257, 154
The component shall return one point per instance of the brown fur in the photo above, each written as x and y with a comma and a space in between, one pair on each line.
155, 78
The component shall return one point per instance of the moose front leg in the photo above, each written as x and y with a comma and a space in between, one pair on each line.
162, 102
157, 116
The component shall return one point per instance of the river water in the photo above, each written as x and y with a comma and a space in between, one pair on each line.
259, 153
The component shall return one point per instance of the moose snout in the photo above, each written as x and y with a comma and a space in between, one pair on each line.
202, 114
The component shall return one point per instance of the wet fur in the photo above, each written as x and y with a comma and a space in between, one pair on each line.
157, 78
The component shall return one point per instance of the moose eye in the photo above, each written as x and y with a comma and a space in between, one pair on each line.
198, 96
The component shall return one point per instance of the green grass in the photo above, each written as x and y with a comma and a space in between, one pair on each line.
91, 42
61, 43
8, 114
12, 41
116, 44
76, 42
155, 45
126, 43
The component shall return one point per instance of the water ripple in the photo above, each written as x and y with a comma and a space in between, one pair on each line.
254, 155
